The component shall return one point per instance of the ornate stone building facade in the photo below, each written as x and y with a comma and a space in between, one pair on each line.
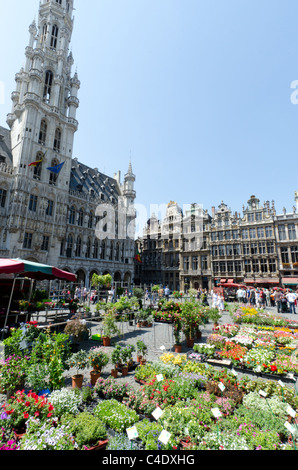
257, 247
54, 209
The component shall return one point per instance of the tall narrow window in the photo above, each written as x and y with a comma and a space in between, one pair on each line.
38, 166
44, 34
53, 176
32, 203
78, 247
43, 132
69, 246
72, 215
57, 140
3, 195
54, 36
48, 86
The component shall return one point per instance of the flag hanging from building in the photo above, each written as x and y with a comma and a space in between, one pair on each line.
56, 169
36, 163
138, 257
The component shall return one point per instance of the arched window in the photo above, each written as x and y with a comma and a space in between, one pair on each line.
48, 86
43, 132
59, 1
88, 249
112, 251
81, 218
90, 221
44, 32
54, 36
117, 254
78, 247
57, 140
53, 176
72, 215
38, 166
69, 246
103, 250
95, 250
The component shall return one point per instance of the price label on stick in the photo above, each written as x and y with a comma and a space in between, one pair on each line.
221, 386
216, 412
291, 412
159, 378
132, 433
289, 427
157, 413
164, 437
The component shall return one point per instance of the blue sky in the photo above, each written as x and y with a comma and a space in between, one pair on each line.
196, 92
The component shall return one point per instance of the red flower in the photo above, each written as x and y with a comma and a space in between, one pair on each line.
273, 368
26, 416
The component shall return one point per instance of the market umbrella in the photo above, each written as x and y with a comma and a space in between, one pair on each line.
32, 270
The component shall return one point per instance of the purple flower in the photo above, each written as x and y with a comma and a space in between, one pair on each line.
4, 415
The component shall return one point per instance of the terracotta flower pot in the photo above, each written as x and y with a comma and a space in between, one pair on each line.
94, 376
77, 381
114, 373
190, 342
106, 340
139, 358
178, 348
124, 370
143, 362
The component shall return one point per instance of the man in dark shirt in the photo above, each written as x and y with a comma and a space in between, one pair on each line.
277, 297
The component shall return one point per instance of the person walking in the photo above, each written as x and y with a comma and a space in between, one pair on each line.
277, 300
291, 297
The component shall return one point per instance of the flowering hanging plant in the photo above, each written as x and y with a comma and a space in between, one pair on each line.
23, 406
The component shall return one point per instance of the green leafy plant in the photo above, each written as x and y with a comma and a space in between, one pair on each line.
79, 360
98, 358
86, 428
116, 415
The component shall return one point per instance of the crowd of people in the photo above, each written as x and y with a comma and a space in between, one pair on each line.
284, 299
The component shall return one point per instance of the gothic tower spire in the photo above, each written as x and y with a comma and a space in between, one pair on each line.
43, 116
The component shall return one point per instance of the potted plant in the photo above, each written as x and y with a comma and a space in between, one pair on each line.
116, 360
109, 327
177, 332
214, 315
79, 361
126, 357
24, 305
141, 350
98, 359
77, 331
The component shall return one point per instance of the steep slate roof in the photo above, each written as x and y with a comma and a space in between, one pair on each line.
84, 179
5, 145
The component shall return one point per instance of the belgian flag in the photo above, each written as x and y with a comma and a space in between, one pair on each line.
138, 257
